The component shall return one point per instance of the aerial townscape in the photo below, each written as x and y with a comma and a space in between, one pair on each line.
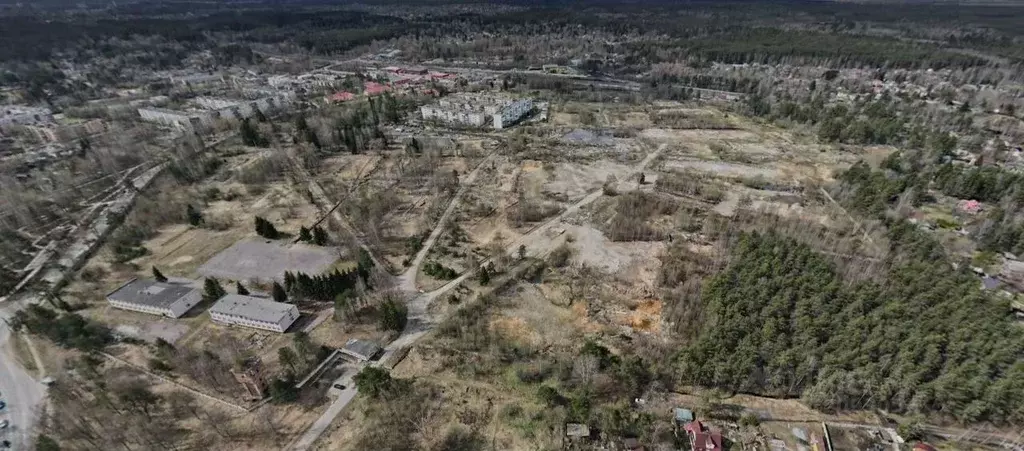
310, 225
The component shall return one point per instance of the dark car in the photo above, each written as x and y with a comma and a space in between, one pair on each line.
2, 405
339, 386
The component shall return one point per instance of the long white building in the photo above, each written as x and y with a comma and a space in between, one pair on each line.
156, 298
478, 110
250, 311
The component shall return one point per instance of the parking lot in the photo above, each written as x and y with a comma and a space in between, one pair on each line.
265, 261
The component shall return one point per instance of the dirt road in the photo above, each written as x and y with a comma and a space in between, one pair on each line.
407, 281
20, 391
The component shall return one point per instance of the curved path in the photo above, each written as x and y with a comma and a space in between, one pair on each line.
407, 281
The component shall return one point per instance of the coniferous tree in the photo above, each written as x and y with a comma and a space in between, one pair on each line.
251, 135
159, 276
212, 290
265, 229
319, 236
278, 293
485, 276
304, 234
195, 218
364, 265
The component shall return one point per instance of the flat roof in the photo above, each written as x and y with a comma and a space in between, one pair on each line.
250, 307
361, 348
150, 292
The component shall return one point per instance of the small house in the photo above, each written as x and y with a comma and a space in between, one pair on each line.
577, 430
702, 439
360, 350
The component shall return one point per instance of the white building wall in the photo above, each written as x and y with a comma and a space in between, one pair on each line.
185, 304
282, 325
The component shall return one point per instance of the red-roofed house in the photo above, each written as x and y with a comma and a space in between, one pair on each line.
970, 206
701, 439
373, 88
343, 96
919, 446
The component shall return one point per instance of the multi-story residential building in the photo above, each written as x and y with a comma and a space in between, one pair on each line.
250, 311
178, 119
168, 299
478, 110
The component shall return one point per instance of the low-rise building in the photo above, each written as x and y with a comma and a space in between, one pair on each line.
361, 350
168, 299
702, 439
478, 110
53, 132
258, 313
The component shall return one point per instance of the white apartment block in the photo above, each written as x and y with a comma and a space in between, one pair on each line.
177, 119
258, 313
213, 110
168, 299
478, 110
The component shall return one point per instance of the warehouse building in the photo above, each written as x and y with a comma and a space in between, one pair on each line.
250, 311
168, 299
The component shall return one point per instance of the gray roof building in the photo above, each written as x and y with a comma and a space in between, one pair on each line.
254, 312
171, 299
361, 349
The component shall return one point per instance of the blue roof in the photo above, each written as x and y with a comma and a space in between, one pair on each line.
681, 414
990, 283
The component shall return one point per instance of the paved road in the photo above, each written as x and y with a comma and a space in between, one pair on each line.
321, 424
21, 392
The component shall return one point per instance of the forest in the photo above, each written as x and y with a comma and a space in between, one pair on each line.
780, 321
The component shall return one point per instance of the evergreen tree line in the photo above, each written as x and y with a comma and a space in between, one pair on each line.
317, 235
324, 287
780, 321
265, 229
354, 131
67, 330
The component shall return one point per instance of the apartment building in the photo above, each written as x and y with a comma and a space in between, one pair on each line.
478, 110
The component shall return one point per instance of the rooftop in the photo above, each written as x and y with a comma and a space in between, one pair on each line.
362, 349
256, 309
150, 292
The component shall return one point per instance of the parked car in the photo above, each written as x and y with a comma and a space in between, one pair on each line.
339, 386
2, 405
4, 424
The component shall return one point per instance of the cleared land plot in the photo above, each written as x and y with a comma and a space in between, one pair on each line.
722, 168
166, 330
265, 261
